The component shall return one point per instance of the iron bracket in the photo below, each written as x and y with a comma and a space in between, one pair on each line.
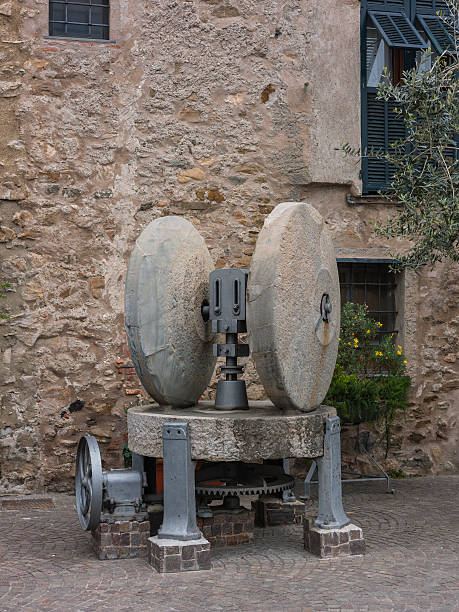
331, 512
179, 522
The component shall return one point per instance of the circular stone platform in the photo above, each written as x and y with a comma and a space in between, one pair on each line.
262, 432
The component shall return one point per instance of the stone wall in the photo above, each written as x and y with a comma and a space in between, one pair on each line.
213, 110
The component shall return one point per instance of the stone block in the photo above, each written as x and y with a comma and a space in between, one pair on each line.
271, 511
173, 556
331, 543
226, 528
121, 539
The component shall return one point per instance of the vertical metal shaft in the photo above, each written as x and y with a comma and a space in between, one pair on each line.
231, 361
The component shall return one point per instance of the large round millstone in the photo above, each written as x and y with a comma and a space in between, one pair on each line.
166, 284
292, 269
262, 432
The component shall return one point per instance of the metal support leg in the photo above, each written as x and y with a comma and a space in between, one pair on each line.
179, 521
289, 495
331, 513
307, 481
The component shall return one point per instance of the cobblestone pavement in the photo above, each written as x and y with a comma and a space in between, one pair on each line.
412, 562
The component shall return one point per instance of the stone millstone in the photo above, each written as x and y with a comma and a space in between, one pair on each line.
262, 432
293, 266
166, 284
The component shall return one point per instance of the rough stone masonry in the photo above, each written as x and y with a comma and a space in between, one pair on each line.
215, 110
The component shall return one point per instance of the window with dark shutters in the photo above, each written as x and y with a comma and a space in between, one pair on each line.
390, 39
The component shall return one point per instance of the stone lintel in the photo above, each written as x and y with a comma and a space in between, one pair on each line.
262, 432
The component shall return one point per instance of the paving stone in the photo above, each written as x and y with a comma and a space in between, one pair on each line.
410, 564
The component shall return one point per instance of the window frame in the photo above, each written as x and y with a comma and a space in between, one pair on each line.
396, 286
105, 27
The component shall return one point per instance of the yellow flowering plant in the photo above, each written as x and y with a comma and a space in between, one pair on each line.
362, 350
370, 381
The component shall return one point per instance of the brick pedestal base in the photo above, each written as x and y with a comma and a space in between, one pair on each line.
121, 539
155, 516
168, 556
270, 511
228, 528
326, 543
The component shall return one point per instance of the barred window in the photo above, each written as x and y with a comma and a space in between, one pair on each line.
373, 284
79, 19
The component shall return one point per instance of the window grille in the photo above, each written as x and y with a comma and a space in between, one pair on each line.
373, 284
79, 19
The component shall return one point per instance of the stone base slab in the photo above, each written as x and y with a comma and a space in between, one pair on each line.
228, 528
121, 539
271, 511
328, 543
169, 556
262, 432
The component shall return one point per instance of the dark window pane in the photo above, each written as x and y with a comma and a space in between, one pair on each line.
359, 272
77, 30
344, 271
344, 294
57, 29
99, 15
387, 298
99, 32
77, 13
57, 12
372, 297
358, 294
387, 276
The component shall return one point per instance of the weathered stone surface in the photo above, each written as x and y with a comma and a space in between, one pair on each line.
293, 266
263, 432
166, 284
186, 93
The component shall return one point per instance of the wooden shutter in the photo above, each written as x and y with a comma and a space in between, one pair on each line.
440, 33
383, 127
430, 7
397, 30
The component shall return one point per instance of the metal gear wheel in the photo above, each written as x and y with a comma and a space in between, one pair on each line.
88, 482
220, 479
